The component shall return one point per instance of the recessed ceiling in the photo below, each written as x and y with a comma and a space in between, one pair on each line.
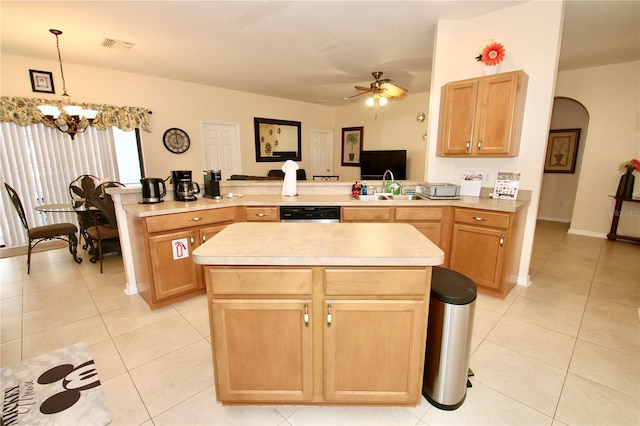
311, 51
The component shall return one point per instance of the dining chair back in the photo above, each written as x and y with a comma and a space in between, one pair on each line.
37, 234
103, 232
79, 188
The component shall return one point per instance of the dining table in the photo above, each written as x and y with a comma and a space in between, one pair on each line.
84, 219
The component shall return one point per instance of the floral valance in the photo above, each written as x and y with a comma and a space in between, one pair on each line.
24, 111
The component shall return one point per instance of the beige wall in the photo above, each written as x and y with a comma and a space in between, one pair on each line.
529, 46
558, 192
611, 95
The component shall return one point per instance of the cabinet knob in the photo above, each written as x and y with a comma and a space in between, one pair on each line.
468, 146
306, 315
479, 145
328, 315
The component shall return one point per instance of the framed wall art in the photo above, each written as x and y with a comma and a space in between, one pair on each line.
351, 145
562, 151
41, 81
277, 140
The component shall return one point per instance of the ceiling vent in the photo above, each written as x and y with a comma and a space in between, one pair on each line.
116, 44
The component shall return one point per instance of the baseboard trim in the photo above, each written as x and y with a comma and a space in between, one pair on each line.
587, 233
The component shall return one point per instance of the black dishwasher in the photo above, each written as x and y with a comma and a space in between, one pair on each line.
310, 214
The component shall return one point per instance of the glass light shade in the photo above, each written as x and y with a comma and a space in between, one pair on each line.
382, 101
89, 114
49, 110
73, 110
370, 102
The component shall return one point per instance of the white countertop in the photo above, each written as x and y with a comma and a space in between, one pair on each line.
319, 244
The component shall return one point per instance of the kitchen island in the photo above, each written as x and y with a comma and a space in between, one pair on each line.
318, 313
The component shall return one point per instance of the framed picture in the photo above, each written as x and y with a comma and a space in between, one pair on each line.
41, 81
277, 140
351, 145
562, 151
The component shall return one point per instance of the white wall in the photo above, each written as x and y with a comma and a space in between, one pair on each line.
530, 46
611, 95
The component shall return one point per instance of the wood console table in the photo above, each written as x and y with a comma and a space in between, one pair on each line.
612, 235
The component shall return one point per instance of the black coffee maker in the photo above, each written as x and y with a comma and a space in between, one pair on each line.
184, 188
212, 180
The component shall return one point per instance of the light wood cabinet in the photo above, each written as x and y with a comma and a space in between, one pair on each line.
433, 222
169, 241
486, 247
262, 214
318, 335
366, 214
483, 116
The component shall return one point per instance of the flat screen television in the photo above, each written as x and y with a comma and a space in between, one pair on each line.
374, 163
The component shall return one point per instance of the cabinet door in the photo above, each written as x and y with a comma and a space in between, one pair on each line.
263, 350
495, 121
430, 230
459, 115
374, 350
479, 254
366, 214
174, 275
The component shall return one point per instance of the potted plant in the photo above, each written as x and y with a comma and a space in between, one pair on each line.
352, 139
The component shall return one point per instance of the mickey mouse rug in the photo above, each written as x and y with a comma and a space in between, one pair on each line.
58, 388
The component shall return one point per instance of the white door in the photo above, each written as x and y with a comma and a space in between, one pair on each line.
321, 153
222, 148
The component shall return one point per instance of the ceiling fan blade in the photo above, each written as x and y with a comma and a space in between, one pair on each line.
364, 89
354, 96
391, 90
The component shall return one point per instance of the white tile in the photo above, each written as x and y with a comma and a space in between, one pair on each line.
203, 409
171, 379
523, 378
486, 406
584, 402
365, 416
123, 401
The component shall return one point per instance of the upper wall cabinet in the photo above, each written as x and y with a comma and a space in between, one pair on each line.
482, 117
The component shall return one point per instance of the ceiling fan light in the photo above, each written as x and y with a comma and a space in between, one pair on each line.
382, 101
370, 102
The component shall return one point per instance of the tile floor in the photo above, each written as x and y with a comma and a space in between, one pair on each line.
564, 351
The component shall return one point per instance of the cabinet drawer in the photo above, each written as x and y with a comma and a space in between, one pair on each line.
262, 214
418, 214
186, 220
238, 281
483, 218
376, 282
370, 214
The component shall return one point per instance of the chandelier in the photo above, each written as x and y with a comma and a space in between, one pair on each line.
71, 119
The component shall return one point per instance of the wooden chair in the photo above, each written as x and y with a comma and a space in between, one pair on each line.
79, 188
103, 232
37, 234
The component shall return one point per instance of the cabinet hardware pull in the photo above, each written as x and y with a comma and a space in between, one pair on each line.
195, 219
328, 315
261, 214
306, 315
204, 238
478, 218
468, 146
501, 241
479, 145
191, 237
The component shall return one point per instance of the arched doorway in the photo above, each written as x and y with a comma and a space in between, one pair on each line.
558, 191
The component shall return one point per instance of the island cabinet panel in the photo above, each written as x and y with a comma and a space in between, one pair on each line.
373, 351
486, 247
263, 350
433, 222
483, 116
169, 241
318, 335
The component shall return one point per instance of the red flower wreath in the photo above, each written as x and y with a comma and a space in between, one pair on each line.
493, 54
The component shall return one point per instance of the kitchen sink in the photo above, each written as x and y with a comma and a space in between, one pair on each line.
379, 197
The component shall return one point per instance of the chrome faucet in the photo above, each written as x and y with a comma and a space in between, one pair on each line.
384, 179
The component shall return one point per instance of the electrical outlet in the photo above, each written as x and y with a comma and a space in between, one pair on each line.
485, 179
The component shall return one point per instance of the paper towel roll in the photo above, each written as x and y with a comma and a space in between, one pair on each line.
289, 188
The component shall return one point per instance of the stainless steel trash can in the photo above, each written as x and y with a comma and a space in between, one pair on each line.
451, 311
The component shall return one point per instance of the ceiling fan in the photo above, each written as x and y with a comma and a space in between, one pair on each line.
381, 88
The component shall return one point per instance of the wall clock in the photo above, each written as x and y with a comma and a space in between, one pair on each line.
176, 140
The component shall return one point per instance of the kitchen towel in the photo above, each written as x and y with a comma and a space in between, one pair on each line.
289, 188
